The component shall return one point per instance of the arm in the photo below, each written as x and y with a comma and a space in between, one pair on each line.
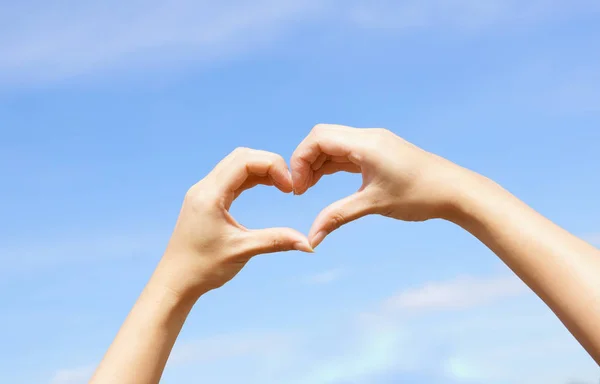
140, 351
563, 270
405, 182
207, 249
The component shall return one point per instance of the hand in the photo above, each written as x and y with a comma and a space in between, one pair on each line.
208, 247
400, 180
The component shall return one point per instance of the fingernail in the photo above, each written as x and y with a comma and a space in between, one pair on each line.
303, 247
318, 238
291, 179
295, 177
278, 185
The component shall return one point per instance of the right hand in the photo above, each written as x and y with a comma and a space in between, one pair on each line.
400, 180
208, 246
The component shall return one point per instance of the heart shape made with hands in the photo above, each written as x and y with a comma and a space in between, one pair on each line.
246, 168
308, 165
214, 246
391, 182
328, 149
392, 185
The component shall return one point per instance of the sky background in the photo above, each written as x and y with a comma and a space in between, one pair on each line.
110, 111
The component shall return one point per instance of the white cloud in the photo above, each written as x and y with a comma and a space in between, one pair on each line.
259, 344
80, 375
460, 293
42, 41
495, 333
253, 353
325, 277
377, 352
80, 248
497, 337
462, 14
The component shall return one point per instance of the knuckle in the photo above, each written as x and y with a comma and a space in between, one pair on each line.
378, 137
336, 220
240, 151
278, 243
260, 152
199, 197
382, 132
320, 128
271, 158
192, 192
267, 157
276, 158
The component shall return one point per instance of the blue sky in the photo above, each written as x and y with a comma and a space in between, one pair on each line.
110, 111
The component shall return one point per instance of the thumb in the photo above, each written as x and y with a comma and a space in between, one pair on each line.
340, 213
272, 240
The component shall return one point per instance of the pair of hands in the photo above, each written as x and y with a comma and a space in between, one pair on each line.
209, 247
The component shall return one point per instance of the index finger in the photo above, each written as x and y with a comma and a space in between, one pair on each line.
331, 140
233, 171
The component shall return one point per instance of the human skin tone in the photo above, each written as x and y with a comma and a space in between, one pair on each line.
407, 183
207, 249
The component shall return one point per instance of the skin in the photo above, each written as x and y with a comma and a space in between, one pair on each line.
208, 247
407, 183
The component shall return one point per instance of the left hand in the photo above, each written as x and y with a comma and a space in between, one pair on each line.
400, 180
208, 246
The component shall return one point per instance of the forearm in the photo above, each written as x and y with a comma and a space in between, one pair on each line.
140, 351
563, 270
206, 250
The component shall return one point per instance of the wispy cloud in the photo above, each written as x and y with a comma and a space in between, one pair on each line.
253, 353
495, 323
462, 14
477, 341
44, 41
79, 375
459, 293
75, 248
229, 346
385, 339
325, 277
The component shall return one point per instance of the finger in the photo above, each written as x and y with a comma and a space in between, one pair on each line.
319, 161
272, 240
242, 164
330, 168
340, 213
331, 140
252, 182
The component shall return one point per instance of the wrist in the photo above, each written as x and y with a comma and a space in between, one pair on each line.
170, 276
167, 306
470, 192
